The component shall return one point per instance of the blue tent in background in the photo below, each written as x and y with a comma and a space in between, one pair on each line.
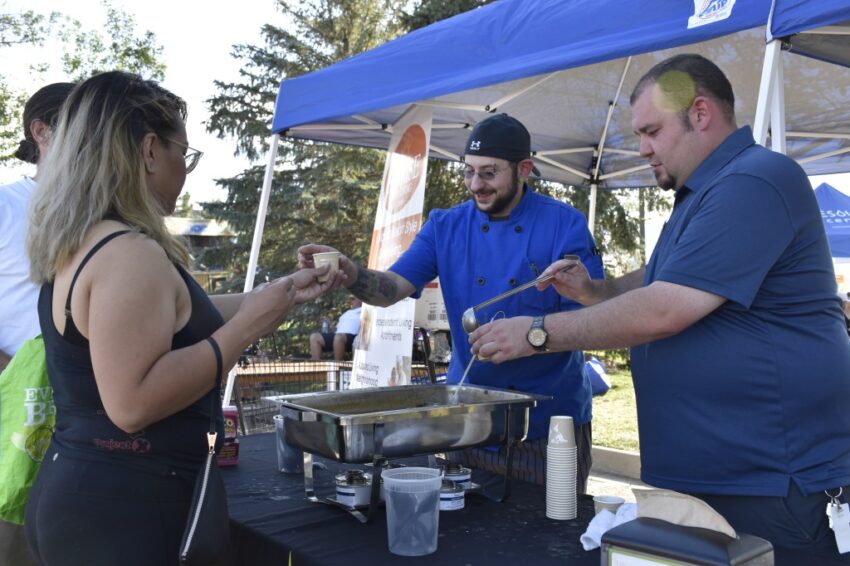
835, 210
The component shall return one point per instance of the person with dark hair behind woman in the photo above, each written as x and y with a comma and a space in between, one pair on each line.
132, 341
18, 314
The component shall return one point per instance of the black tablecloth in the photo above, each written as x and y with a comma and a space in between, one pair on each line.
270, 517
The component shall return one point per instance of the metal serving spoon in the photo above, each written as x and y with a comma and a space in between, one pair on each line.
470, 323
454, 396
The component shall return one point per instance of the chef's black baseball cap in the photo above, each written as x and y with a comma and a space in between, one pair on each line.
501, 136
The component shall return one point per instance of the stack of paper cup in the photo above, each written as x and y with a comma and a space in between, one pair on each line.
561, 466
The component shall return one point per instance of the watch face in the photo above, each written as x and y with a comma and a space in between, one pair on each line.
537, 337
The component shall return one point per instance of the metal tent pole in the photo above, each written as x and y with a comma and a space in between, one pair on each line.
777, 109
772, 53
255, 245
591, 212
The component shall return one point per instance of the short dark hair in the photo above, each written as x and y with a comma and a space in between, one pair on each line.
44, 105
706, 79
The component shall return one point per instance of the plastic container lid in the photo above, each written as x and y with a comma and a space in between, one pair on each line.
412, 480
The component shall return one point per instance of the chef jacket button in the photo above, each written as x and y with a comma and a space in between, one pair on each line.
481, 281
517, 229
513, 282
485, 228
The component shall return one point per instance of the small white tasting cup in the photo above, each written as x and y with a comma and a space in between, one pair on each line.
324, 258
609, 502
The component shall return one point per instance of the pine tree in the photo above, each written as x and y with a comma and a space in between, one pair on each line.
321, 192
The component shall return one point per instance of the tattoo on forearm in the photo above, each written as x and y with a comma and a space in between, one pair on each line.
373, 285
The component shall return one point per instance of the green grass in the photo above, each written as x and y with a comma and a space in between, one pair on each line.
614, 414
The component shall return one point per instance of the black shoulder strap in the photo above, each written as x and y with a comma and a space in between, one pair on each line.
83, 263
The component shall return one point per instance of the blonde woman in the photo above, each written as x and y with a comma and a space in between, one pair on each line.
134, 346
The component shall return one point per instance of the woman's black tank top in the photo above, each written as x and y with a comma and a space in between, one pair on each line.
83, 430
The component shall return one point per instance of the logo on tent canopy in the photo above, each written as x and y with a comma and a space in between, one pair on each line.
710, 11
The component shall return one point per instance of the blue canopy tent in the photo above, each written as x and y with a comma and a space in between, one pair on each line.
835, 210
565, 69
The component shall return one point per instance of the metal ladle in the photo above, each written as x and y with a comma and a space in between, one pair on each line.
470, 323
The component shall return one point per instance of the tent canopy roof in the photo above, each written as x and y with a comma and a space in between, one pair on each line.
566, 70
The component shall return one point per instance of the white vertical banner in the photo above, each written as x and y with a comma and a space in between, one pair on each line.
386, 334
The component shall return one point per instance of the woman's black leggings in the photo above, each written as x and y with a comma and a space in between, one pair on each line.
95, 513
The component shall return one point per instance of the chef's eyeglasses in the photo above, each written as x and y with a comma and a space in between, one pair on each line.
487, 175
192, 155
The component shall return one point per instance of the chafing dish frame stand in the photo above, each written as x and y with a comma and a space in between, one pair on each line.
379, 462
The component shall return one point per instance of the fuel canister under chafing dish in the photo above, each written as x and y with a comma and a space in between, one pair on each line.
353, 487
458, 474
451, 496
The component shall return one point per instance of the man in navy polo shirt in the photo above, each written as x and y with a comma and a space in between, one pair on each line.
502, 237
740, 360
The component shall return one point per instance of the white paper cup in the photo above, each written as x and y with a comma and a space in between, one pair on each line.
561, 432
325, 258
609, 502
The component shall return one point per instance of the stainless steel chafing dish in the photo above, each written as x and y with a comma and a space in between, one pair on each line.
358, 425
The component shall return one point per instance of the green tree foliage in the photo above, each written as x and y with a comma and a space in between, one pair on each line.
184, 207
115, 47
83, 52
26, 28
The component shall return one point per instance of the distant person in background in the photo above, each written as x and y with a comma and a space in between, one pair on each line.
18, 314
341, 339
18, 306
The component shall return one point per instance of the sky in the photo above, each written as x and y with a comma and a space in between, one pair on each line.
196, 37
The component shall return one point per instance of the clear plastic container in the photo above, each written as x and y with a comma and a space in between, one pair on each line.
413, 509
290, 460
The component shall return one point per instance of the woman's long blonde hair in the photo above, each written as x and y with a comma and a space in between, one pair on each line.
94, 169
